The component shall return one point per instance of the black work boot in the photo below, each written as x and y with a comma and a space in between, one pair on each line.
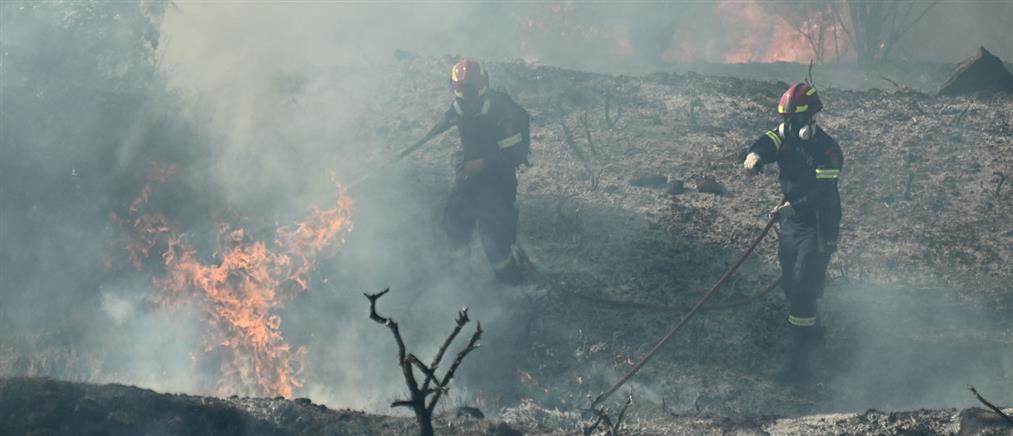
797, 370
511, 271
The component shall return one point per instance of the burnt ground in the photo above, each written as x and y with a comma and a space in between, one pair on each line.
48, 407
917, 307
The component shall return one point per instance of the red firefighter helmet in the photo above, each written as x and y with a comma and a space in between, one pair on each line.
468, 74
800, 98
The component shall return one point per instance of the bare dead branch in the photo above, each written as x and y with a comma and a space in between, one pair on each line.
429, 372
894, 83
1000, 180
409, 362
694, 103
586, 121
572, 223
596, 178
607, 421
395, 330
875, 28
622, 414
664, 406
599, 417
462, 319
416, 399
472, 345
611, 121
907, 185
588, 166
960, 117
568, 138
372, 306
991, 406
903, 27
810, 77
840, 22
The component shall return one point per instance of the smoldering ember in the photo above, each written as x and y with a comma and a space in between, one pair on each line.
539, 218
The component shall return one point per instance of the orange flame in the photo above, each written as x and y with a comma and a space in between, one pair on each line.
145, 230
726, 31
753, 31
241, 289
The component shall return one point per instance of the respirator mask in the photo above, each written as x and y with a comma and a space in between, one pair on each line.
798, 127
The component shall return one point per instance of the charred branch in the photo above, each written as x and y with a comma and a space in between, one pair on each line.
960, 116
409, 363
402, 403
585, 120
892, 82
592, 175
568, 139
875, 28
601, 416
459, 323
811, 20
668, 410
1000, 183
988, 404
569, 221
693, 105
596, 177
430, 374
611, 120
622, 414
472, 346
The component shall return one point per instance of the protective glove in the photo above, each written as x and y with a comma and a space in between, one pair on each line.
752, 164
785, 210
469, 168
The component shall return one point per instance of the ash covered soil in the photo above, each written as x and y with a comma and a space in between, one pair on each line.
615, 216
612, 211
49, 407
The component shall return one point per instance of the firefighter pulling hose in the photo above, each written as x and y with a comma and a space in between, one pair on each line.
810, 162
495, 140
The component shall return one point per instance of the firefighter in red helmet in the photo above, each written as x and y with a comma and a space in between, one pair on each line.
809, 163
495, 140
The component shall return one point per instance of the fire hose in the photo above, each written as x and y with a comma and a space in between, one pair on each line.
697, 308
437, 130
665, 308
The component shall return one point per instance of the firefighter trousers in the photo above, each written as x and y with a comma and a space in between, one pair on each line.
803, 270
489, 202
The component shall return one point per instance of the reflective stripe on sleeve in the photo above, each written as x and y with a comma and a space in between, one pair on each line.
801, 321
509, 141
827, 174
503, 264
774, 137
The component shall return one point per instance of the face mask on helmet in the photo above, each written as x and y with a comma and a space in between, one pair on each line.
470, 101
798, 126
